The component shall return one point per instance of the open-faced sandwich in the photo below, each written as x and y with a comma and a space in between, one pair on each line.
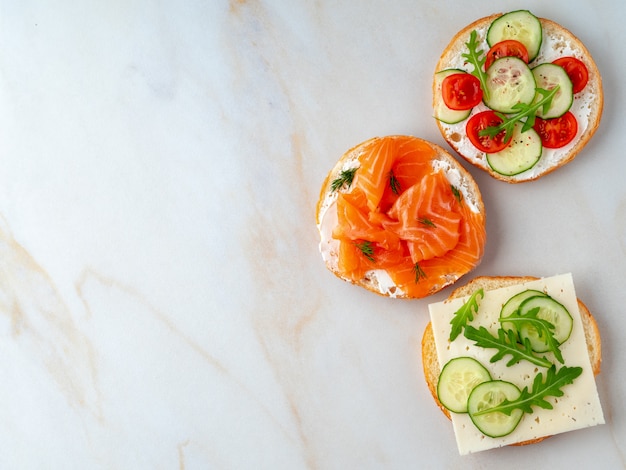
400, 217
512, 360
516, 95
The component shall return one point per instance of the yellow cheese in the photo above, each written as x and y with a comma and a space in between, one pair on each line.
578, 408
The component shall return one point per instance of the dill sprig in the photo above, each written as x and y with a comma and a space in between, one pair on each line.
419, 273
427, 222
367, 249
394, 183
456, 193
345, 178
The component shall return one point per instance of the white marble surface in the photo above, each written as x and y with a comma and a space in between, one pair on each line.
162, 301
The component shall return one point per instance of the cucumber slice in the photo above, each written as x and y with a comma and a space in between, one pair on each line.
490, 394
509, 81
442, 112
520, 155
551, 311
513, 304
548, 76
457, 379
520, 25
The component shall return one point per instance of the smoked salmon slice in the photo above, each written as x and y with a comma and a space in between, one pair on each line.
402, 214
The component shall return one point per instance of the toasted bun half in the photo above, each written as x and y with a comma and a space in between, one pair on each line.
436, 275
587, 105
431, 364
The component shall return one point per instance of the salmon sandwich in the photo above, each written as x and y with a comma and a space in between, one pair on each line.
399, 216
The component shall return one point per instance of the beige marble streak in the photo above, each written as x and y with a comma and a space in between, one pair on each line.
43, 326
149, 320
284, 305
181, 454
92, 276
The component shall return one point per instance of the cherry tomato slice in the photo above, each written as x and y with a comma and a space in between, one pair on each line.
506, 48
485, 143
558, 132
461, 91
576, 71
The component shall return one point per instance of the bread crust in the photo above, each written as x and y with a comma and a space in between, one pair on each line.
594, 91
371, 283
431, 365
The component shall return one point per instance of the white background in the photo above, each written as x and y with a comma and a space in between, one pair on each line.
162, 300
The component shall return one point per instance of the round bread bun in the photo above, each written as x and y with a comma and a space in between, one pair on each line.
431, 364
587, 105
378, 280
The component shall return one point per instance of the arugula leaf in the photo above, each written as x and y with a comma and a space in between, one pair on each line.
477, 58
550, 387
528, 111
506, 344
465, 314
544, 329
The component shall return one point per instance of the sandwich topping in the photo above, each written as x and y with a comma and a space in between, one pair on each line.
512, 95
515, 365
400, 214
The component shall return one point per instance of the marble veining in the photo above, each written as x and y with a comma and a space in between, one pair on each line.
163, 303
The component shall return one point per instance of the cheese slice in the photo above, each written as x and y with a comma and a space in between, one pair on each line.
578, 408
